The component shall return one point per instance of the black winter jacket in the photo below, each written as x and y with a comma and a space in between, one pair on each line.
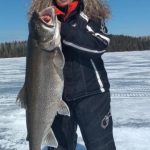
83, 42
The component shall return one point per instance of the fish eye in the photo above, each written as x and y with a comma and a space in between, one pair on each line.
37, 27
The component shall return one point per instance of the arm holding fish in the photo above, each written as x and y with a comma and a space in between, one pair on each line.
88, 40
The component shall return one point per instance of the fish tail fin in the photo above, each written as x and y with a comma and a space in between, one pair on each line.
63, 109
21, 97
49, 138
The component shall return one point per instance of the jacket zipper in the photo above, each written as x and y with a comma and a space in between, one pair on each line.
98, 77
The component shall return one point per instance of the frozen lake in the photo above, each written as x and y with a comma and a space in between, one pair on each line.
129, 75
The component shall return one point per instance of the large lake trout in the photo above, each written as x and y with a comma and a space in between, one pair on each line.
41, 94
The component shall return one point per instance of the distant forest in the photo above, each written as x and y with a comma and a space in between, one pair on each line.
118, 43
13, 49
128, 43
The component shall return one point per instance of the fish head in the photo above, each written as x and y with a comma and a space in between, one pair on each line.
45, 28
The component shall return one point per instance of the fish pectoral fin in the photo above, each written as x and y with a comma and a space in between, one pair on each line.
49, 138
59, 59
21, 97
58, 62
63, 109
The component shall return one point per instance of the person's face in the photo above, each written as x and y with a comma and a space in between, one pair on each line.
63, 3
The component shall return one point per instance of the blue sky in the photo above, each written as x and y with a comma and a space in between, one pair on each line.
129, 17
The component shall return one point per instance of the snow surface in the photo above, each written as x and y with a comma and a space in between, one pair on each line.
129, 74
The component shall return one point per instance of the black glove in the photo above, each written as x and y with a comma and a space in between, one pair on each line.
98, 25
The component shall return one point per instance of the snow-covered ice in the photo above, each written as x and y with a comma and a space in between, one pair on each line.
129, 75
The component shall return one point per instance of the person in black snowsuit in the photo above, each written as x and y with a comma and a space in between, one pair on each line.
86, 86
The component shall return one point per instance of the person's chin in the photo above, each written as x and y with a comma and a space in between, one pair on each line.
63, 5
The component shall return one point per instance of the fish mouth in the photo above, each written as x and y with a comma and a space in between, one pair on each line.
47, 16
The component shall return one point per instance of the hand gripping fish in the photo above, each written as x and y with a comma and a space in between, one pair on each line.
41, 94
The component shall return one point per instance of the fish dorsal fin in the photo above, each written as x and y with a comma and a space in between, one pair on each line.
49, 138
21, 97
63, 109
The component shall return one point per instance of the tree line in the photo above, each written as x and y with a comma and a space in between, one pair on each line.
128, 43
13, 49
118, 43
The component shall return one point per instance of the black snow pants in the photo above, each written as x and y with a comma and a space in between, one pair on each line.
93, 115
